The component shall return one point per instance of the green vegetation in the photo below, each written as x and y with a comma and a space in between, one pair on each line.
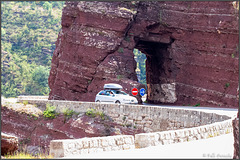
25, 103
22, 152
120, 76
28, 34
140, 59
50, 111
69, 113
120, 50
227, 85
94, 113
197, 105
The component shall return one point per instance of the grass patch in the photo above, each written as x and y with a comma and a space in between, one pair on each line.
25, 103
50, 111
68, 114
94, 113
25, 155
227, 85
197, 105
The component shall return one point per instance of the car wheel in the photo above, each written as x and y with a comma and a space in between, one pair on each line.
98, 101
117, 102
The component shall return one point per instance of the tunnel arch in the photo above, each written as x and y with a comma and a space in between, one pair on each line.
161, 86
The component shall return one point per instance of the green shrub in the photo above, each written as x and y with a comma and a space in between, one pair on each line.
227, 85
120, 50
94, 113
50, 111
197, 105
68, 113
25, 103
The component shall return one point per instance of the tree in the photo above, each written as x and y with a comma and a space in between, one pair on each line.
3, 32
40, 76
47, 6
33, 5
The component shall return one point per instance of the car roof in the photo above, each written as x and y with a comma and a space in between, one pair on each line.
112, 86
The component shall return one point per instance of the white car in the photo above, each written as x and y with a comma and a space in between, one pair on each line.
112, 93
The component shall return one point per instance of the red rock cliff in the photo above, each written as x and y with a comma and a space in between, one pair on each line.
191, 49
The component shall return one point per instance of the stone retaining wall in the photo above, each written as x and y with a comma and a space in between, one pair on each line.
26, 98
168, 125
176, 136
68, 148
148, 118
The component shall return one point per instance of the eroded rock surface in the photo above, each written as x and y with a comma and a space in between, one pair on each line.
9, 144
35, 133
193, 45
236, 138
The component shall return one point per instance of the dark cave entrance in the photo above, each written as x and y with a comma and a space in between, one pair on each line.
160, 86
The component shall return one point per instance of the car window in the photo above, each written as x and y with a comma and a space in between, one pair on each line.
107, 93
102, 93
120, 92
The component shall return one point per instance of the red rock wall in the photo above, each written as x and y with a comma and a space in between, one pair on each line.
191, 48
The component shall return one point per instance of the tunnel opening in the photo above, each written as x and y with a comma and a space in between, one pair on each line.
160, 85
140, 59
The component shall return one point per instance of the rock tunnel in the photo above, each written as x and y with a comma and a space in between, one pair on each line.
191, 51
160, 87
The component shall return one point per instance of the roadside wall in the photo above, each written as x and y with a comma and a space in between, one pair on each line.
74, 147
148, 118
167, 126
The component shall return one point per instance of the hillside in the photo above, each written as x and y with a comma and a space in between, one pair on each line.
29, 31
28, 34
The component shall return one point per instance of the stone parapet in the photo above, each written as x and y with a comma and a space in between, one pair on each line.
26, 98
148, 118
68, 148
166, 126
182, 135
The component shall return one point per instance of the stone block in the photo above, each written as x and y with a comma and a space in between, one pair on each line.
86, 143
56, 149
104, 142
165, 142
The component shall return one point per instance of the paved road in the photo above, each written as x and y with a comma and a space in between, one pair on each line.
232, 112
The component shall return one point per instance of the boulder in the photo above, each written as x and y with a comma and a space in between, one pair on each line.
9, 144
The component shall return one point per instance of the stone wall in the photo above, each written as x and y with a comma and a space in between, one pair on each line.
167, 126
68, 148
148, 118
26, 98
188, 134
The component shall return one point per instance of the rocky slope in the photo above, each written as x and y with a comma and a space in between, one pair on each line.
35, 133
191, 49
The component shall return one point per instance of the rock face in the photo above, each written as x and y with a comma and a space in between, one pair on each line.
36, 133
236, 138
9, 144
235, 124
191, 49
